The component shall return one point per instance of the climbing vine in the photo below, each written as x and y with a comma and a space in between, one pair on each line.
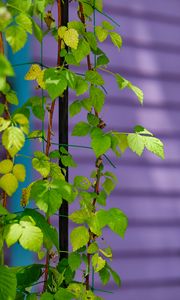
79, 41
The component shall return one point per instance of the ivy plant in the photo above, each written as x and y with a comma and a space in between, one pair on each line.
31, 227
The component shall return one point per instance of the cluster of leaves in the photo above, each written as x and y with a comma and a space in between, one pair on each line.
31, 228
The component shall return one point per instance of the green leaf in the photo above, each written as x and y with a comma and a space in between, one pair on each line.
81, 129
98, 262
3, 210
83, 49
107, 252
141, 130
9, 183
12, 233
92, 119
101, 198
68, 161
47, 296
32, 236
117, 221
97, 97
102, 60
79, 26
91, 40
71, 79
47, 195
101, 33
20, 172
136, 143
79, 216
122, 82
74, 260
108, 185
79, 237
13, 140
25, 22
116, 39
104, 275
107, 25
63, 294
55, 171
99, 5
82, 182
27, 275
5, 67
37, 31
81, 86
19, 6
75, 108
92, 248
115, 276
122, 141
6, 166
55, 82
20, 119
4, 124
49, 232
11, 97
100, 144
7, 284
32, 297
41, 163
94, 77
137, 91
1, 109
71, 38
154, 145
16, 37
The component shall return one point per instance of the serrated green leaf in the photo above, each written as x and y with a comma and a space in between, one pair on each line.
79, 237
101, 33
97, 97
81, 129
12, 233
98, 262
4, 124
71, 38
13, 140
75, 108
6, 166
41, 163
16, 37
74, 260
9, 183
100, 144
25, 22
154, 145
116, 39
136, 143
32, 236
94, 77
55, 83
8, 284
20, 172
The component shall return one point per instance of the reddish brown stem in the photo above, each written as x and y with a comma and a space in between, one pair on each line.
49, 132
1, 44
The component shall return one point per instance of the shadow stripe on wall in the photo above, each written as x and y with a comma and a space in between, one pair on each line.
146, 254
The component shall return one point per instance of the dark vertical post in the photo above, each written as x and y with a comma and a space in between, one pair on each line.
63, 139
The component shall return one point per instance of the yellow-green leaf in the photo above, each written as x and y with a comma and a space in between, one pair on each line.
9, 183
71, 38
13, 140
12, 233
4, 124
20, 172
21, 119
6, 166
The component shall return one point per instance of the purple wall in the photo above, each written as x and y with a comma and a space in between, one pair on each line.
148, 191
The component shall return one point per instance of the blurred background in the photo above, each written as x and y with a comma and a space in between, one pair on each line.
148, 259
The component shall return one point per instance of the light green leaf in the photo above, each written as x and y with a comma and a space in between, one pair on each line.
82, 50
41, 163
107, 252
116, 39
101, 198
11, 97
102, 60
32, 236
82, 182
100, 144
37, 31
63, 294
122, 141
81, 86
8, 284
16, 37
99, 5
79, 237
115, 276
122, 82
71, 38
104, 275
12, 233
91, 40
81, 129
75, 108
4, 124
6, 166
9, 183
97, 97
108, 185
94, 77
5, 67
98, 262
20, 172
117, 221
141, 130
92, 119
154, 145
107, 25
74, 260
79, 26
55, 171
25, 22
47, 296
13, 140
3, 210
55, 83
136, 143
139, 93
92, 248
20, 119
101, 33
79, 216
